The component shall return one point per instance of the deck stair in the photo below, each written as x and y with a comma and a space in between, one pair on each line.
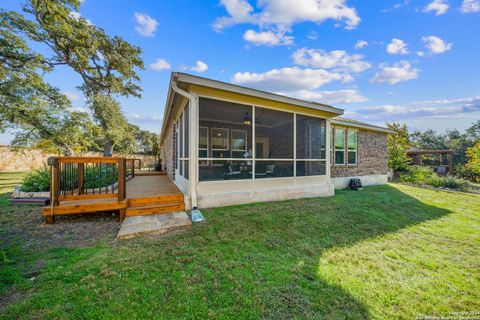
154, 205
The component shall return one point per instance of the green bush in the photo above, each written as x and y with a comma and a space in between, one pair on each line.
102, 176
426, 175
462, 171
455, 183
418, 175
36, 181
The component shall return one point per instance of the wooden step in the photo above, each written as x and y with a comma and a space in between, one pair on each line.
86, 208
155, 209
132, 202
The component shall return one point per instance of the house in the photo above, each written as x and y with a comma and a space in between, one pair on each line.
223, 144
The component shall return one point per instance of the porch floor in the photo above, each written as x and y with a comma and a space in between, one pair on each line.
145, 195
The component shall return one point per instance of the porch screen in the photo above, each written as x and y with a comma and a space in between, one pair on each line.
225, 140
239, 142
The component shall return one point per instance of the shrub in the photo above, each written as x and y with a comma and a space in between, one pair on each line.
418, 175
36, 181
464, 172
455, 183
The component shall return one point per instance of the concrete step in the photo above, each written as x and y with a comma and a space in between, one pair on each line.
155, 208
153, 224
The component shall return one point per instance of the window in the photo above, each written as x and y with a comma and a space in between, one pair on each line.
310, 137
220, 143
352, 147
182, 147
239, 143
339, 143
203, 142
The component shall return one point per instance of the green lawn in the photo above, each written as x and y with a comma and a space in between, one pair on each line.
387, 252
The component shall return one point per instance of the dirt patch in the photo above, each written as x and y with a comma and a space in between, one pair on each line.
27, 224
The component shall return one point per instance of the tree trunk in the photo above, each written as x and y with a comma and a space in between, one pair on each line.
67, 150
108, 149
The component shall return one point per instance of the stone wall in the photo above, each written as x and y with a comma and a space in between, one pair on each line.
372, 157
25, 159
22, 159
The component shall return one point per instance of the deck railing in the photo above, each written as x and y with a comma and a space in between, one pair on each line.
82, 178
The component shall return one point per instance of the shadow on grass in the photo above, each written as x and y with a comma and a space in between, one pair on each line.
294, 233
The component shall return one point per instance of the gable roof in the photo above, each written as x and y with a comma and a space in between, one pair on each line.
220, 85
185, 79
358, 124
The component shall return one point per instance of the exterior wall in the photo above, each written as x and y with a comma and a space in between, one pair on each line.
370, 180
372, 159
168, 153
211, 200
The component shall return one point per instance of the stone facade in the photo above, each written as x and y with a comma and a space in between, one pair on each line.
168, 153
372, 157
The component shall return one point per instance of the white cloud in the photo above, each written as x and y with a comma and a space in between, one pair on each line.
142, 119
436, 45
338, 60
267, 38
397, 46
312, 35
77, 16
393, 74
438, 6
330, 97
199, 67
420, 53
469, 6
145, 25
422, 109
72, 96
160, 64
289, 79
282, 14
361, 44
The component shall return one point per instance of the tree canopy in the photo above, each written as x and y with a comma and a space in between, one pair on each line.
107, 66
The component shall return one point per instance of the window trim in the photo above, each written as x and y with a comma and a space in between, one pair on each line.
356, 148
228, 139
246, 139
335, 149
200, 127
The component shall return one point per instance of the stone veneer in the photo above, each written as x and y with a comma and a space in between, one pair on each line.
371, 157
168, 153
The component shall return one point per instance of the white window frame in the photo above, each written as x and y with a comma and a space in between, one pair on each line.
246, 138
228, 139
335, 149
208, 140
356, 148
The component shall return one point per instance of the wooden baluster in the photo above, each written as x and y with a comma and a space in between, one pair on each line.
121, 185
81, 178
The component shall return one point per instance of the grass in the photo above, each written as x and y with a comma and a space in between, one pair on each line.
386, 252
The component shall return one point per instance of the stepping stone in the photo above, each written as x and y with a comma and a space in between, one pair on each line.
153, 224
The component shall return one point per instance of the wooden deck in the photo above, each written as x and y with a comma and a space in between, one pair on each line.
145, 195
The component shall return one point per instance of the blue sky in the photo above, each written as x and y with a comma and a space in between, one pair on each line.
409, 61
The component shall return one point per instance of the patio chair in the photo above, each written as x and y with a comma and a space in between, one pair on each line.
231, 173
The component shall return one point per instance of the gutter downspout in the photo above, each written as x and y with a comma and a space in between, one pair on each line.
193, 141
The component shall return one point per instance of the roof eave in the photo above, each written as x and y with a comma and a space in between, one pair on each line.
191, 79
361, 126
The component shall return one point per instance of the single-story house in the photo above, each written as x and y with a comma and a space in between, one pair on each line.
223, 144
